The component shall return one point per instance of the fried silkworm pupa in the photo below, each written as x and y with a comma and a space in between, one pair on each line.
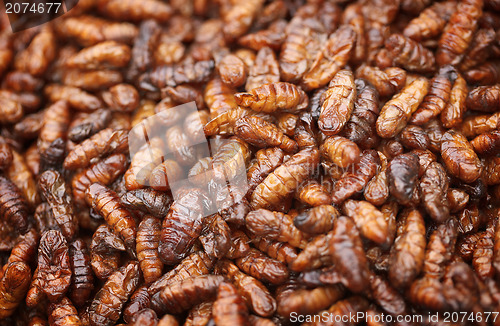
467, 244
239, 18
139, 300
486, 74
147, 242
338, 103
287, 122
148, 200
216, 236
7, 53
182, 226
453, 112
40, 53
434, 192
229, 308
270, 38
479, 50
274, 98
144, 46
302, 42
317, 220
182, 295
240, 245
459, 157
305, 131
173, 75
386, 296
54, 268
475, 125
263, 268
361, 126
346, 242
408, 252
107, 305
107, 54
30, 125
459, 31
482, 256
316, 254
403, 178
267, 160
104, 172
142, 164
53, 157
105, 142
437, 98
430, 22
377, 189
55, 123
25, 249
351, 305
56, 192
387, 81
314, 194
105, 252
169, 171
260, 133
44, 218
20, 81
487, 144
294, 299
496, 248
13, 287
285, 179
148, 317
484, 98
20, 174
74, 96
275, 226
370, 221
90, 125
353, 16
82, 282
256, 295
179, 144
199, 315
440, 249
352, 182
331, 58
13, 206
107, 203
232, 70
397, 112
491, 171
219, 97
280, 251
193, 125
93, 80
133, 10
340, 151
197, 263
265, 70
224, 123
409, 54
121, 98
428, 292
457, 199
470, 219
63, 313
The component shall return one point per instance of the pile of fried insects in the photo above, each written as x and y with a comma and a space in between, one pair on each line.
369, 132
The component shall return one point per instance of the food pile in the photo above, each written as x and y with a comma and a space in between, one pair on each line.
368, 133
